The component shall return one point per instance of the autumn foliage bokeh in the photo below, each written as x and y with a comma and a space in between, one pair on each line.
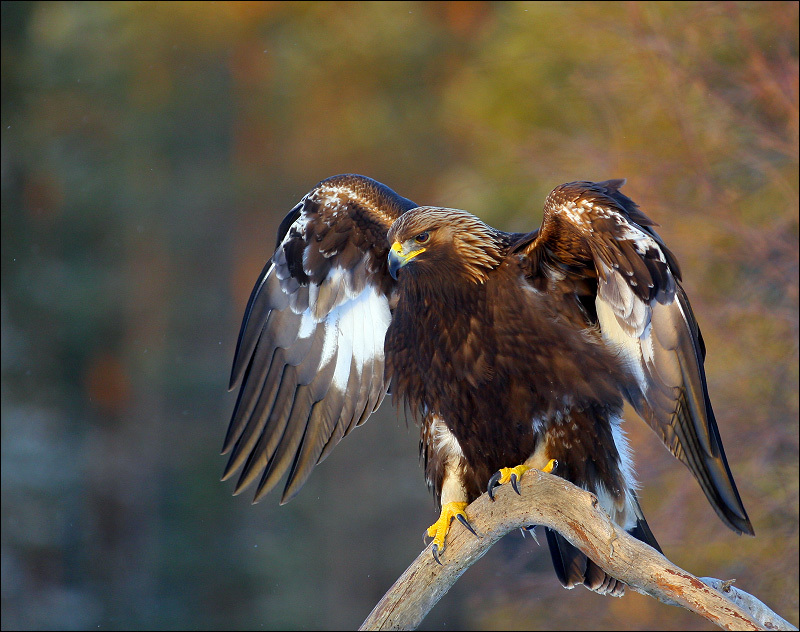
149, 152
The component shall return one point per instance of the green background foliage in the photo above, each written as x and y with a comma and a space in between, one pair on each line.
149, 151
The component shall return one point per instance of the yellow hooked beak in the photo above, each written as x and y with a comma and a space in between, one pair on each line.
398, 258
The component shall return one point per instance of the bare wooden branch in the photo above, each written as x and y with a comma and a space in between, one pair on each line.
553, 502
757, 609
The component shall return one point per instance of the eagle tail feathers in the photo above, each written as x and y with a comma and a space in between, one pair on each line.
573, 567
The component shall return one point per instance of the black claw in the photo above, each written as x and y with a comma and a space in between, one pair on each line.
435, 551
493, 482
464, 521
514, 484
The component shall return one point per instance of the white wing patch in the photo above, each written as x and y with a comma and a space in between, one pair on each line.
355, 328
632, 312
628, 347
352, 315
646, 348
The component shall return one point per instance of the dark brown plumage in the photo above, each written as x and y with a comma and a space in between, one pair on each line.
511, 348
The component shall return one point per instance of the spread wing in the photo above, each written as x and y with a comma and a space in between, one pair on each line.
309, 359
594, 236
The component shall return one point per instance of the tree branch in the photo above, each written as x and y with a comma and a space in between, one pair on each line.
553, 502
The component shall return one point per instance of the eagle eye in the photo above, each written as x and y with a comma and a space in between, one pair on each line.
422, 237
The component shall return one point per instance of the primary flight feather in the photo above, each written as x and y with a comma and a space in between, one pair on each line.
514, 351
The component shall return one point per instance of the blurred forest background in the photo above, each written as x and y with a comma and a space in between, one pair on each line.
149, 152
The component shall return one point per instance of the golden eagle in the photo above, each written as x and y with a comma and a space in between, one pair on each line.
515, 351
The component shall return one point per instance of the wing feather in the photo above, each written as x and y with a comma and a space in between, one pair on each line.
262, 301
594, 231
264, 371
309, 357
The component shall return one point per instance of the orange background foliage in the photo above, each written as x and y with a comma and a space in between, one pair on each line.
149, 152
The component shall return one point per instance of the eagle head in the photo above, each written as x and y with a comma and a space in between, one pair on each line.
438, 240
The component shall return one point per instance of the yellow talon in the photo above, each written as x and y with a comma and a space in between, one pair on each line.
439, 529
514, 474
506, 472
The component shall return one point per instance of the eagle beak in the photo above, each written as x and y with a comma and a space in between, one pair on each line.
397, 258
